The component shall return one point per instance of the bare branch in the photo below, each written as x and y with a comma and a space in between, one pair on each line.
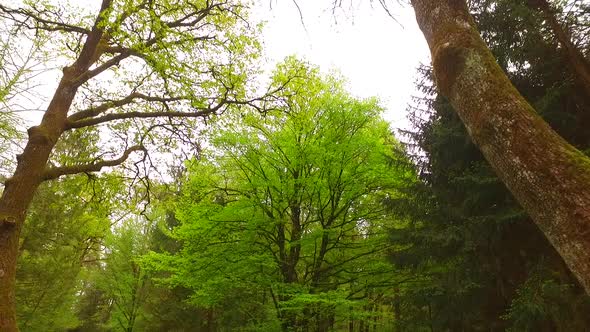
55, 172
198, 16
114, 49
135, 115
42, 23
88, 74
97, 110
87, 117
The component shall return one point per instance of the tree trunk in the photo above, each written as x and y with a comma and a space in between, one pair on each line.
549, 177
21, 187
8, 248
577, 61
19, 191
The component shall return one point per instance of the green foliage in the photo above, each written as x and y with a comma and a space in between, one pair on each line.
63, 233
123, 280
286, 211
61, 242
543, 301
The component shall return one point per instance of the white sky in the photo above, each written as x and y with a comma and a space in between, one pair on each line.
376, 54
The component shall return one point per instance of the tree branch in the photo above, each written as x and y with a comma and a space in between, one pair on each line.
89, 50
144, 115
88, 74
90, 117
97, 110
42, 23
55, 172
91, 121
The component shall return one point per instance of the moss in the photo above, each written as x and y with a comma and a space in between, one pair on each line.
580, 161
6, 218
38, 135
448, 63
454, 41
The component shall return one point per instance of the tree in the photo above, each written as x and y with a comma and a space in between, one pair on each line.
60, 243
470, 239
166, 309
547, 176
123, 281
288, 211
575, 57
163, 66
62, 240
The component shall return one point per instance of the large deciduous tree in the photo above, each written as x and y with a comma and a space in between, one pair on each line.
139, 70
287, 213
548, 177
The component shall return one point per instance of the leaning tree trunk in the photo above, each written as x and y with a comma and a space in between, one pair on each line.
549, 177
30, 171
19, 191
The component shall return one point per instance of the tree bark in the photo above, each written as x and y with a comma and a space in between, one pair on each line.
579, 64
549, 177
30, 171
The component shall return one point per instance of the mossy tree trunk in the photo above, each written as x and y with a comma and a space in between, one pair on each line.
549, 177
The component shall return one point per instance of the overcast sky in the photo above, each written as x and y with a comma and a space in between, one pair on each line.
376, 54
